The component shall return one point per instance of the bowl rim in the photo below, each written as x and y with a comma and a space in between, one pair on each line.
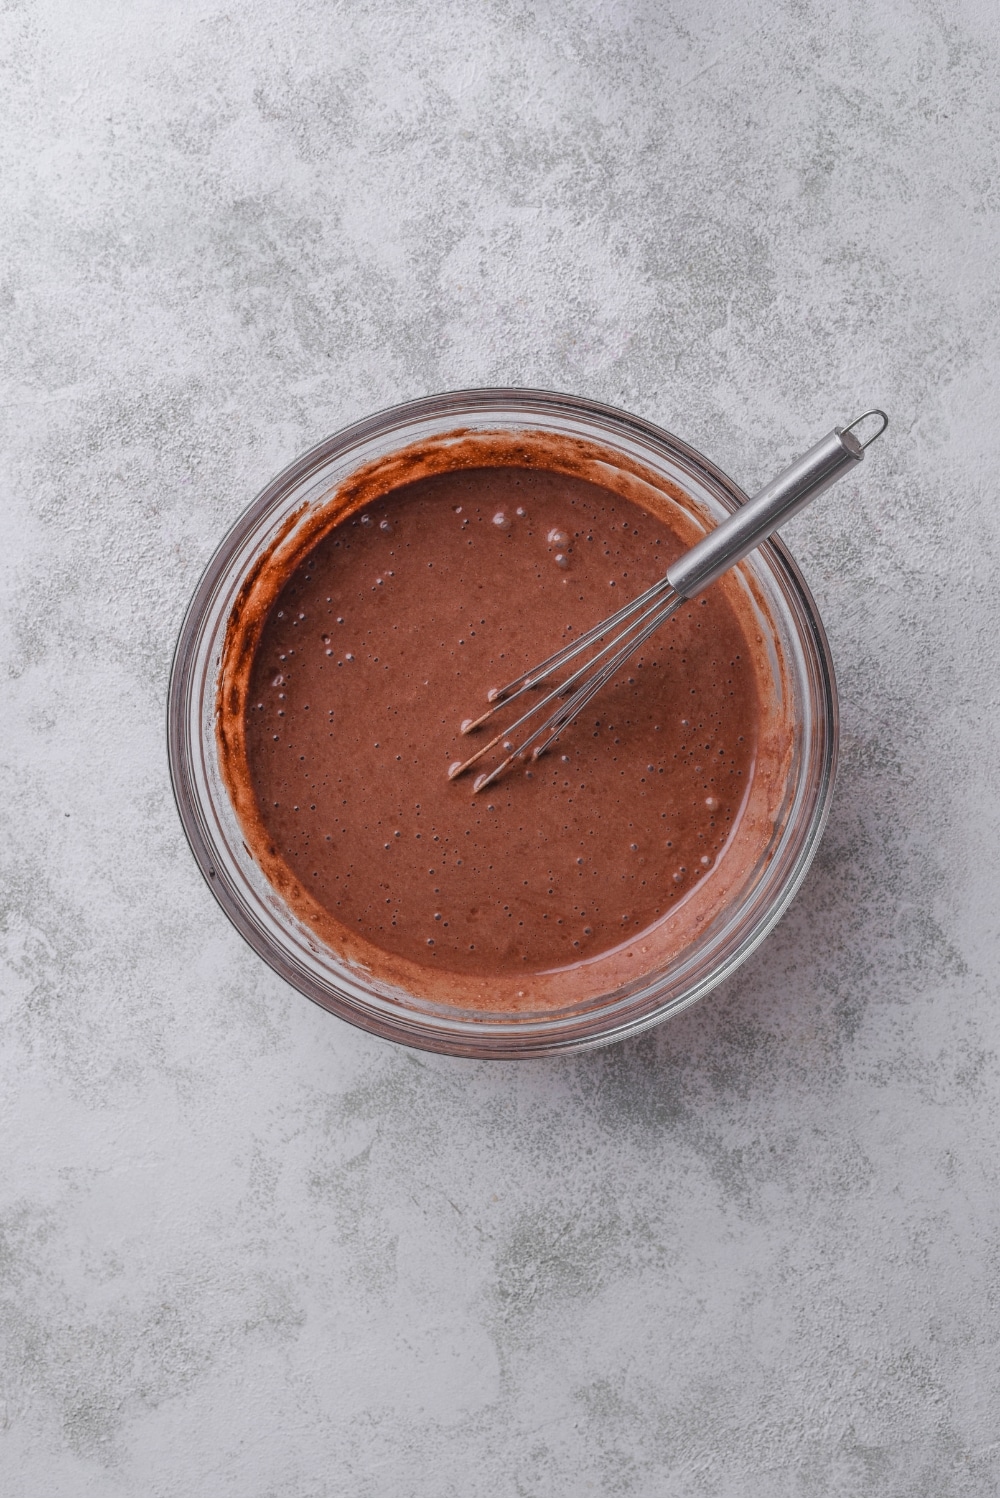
426, 1030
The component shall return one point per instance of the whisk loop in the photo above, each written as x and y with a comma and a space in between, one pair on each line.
617, 638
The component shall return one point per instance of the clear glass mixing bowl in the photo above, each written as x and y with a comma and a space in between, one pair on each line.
258, 912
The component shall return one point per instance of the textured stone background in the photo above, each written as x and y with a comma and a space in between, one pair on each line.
247, 1249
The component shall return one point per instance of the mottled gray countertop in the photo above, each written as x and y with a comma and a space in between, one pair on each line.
247, 1249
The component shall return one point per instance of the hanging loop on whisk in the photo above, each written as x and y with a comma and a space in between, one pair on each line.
863, 418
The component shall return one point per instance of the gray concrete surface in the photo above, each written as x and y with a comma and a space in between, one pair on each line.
245, 1249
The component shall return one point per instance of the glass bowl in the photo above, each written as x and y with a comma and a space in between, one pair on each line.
804, 679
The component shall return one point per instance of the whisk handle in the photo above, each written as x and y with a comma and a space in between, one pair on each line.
739, 533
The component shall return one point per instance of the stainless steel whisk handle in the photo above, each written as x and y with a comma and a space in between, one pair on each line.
739, 533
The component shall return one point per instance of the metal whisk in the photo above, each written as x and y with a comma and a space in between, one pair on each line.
616, 639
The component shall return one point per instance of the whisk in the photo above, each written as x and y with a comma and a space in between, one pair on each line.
615, 639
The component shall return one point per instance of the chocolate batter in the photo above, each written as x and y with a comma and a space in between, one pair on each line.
386, 633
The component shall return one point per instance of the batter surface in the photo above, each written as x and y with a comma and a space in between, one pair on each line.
390, 631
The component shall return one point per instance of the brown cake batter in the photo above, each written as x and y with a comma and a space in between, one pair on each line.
386, 633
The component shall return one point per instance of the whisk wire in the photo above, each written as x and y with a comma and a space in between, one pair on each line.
651, 618
571, 710
566, 653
